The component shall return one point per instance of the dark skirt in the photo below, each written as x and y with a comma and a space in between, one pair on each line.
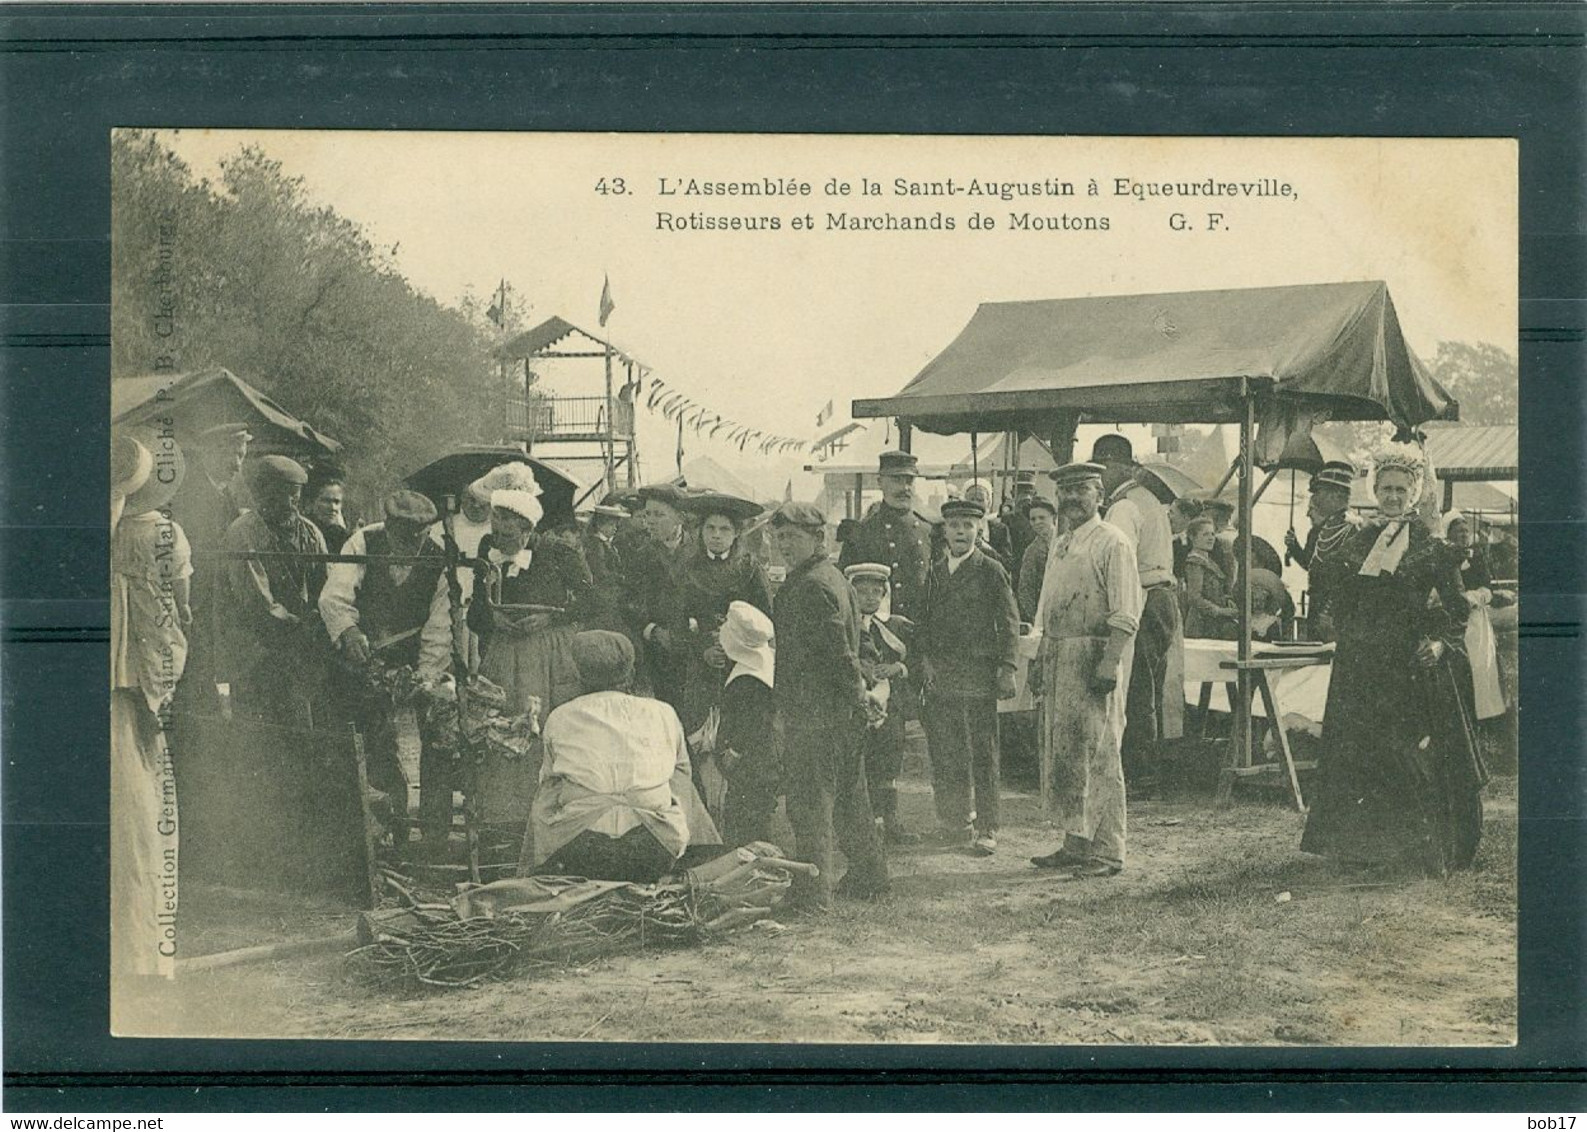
1400, 777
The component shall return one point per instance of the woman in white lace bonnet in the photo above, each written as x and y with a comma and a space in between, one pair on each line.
1400, 779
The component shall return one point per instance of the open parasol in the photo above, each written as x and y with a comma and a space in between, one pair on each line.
1305, 452
450, 474
1175, 482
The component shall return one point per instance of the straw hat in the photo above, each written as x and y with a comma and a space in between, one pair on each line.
168, 468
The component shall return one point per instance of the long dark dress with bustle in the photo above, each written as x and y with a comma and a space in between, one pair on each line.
1400, 774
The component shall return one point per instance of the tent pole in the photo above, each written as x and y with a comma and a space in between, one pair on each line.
1227, 476
904, 436
1263, 485
1062, 445
1242, 711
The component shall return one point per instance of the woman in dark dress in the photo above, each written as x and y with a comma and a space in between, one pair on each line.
1209, 610
1400, 776
746, 740
716, 573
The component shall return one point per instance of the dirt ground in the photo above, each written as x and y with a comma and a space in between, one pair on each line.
1219, 932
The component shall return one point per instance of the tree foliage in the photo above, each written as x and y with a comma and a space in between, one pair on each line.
1482, 377
296, 300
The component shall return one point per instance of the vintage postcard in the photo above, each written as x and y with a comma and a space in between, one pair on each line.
752, 588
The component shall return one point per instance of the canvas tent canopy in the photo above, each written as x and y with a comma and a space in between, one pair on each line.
205, 398
1190, 356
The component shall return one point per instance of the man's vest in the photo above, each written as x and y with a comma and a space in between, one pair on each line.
386, 608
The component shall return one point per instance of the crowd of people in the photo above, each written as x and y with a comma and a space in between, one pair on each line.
680, 696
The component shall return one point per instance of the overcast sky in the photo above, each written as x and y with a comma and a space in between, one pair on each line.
765, 327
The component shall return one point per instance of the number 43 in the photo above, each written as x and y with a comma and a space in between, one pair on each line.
613, 185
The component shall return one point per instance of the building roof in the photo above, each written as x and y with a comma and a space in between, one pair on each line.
539, 339
1475, 452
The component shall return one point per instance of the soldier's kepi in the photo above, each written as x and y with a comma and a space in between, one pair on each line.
894, 535
1329, 512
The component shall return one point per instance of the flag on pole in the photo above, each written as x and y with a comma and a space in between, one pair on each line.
497, 311
824, 415
607, 306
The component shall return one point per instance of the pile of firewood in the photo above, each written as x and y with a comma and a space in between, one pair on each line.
535, 924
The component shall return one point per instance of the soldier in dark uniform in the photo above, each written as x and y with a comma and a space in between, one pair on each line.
713, 574
968, 637
652, 568
884, 656
606, 569
823, 705
894, 535
1331, 528
206, 507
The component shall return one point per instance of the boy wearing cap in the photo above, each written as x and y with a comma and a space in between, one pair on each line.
272, 639
968, 635
822, 704
884, 652
894, 535
1328, 508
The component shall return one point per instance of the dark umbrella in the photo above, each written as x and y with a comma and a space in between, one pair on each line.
1175, 482
452, 473
1304, 452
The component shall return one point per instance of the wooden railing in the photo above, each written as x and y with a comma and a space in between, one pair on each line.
566, 416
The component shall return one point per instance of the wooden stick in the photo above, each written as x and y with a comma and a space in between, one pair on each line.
284, 950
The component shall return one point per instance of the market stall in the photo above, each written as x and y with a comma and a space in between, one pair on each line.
204, 398
1273, 360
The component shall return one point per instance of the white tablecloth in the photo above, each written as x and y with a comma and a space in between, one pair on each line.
1301, 691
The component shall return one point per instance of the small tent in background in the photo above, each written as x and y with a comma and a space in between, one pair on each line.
704, 474
202, 399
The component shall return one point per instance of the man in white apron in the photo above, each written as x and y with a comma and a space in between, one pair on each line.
1088, 614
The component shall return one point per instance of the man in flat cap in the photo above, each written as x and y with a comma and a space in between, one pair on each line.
884, 661
1328, 508
270, 619
206, 507
1156, 701
968, 638
822, 703
1088, 613
399, 613
894, 535
653, 568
